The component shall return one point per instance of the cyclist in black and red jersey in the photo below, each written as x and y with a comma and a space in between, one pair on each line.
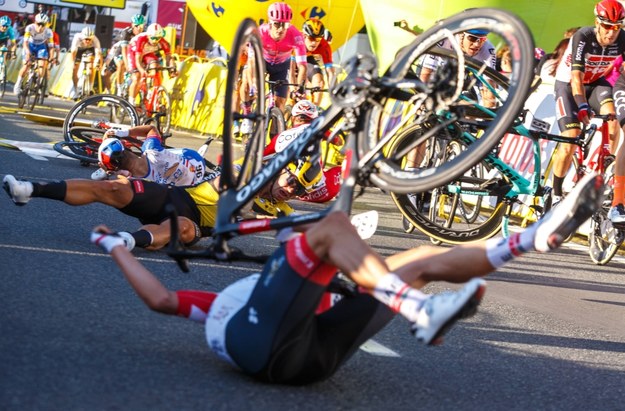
266, 324
580, 86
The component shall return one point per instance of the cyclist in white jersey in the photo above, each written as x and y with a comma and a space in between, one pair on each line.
38, 41
85, 42
180, 167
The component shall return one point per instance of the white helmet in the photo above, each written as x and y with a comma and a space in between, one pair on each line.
42, 18
154, 30
305, 108
87, 32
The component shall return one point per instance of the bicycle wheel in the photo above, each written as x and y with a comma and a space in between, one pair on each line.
162, 109
84, 145
275, 123
451, 98
99, 110
3, 80
35, 92
605, 238
246, 72
466, 209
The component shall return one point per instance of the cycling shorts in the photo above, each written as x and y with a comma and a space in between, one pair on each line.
39, 51
279, 71
197, 203
597, 94
267, 325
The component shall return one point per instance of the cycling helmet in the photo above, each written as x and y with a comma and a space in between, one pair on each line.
305, 108
478, 32
111, 153
610, 11
313, 28
87, 32
280, 12
154, 30
42, 18
307, 174
5, 21
138, 20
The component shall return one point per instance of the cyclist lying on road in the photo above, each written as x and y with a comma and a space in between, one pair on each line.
181, 167
266, 323
146, 200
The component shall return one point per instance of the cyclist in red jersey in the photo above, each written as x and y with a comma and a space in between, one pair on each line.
266, 324
318, 56
143, 54
581, 88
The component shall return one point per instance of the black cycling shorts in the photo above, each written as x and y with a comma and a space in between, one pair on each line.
288, 343
597, 94
150, 199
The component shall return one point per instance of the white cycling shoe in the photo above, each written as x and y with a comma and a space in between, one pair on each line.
574, 209
440, 311
247, 126
19, 191
99, 174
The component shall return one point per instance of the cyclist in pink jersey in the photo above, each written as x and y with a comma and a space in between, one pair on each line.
279, 40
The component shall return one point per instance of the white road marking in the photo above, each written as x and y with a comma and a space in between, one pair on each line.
375, 348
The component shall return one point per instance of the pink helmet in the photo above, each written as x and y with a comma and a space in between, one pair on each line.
280, 12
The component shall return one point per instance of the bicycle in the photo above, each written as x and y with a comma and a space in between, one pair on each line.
155, 100
479, 204
34, 86
84, 86
358, 102
3, 70
276, 123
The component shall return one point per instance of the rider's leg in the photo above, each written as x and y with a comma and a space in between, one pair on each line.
156, 236
318, 81
562, 159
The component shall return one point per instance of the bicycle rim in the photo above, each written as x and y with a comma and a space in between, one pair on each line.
246, 55
34, 93
504, 29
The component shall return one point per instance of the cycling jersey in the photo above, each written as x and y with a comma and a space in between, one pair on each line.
486, 54
140, 46
182, 168
7, 36
276, 52
32, 36
585, 54
328, 185
267, 326
321, 56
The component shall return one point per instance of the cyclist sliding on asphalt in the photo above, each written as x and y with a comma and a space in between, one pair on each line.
266, 324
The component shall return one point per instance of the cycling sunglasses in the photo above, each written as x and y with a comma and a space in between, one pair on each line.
315, 39
292, 181
155, 38
611, 27
280, 24
475, 39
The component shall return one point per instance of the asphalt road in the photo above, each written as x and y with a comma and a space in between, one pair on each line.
550, 333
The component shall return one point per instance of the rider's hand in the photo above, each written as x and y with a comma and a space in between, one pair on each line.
111, 132
584, 113
104, 238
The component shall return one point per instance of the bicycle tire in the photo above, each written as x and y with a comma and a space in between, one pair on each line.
34, 92
604, 238
162, 107
99, 108
275, 123
442, 218
247, 39
85, 151
501, 24
3, 80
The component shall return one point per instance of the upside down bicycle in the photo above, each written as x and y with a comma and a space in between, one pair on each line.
361, 103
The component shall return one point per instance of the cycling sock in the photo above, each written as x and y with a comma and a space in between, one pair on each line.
500, 251
619, 191
399, 296
143, 238
56, 190
557, 185
246, 106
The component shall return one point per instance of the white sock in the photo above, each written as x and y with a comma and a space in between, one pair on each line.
399, 296
501, 250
